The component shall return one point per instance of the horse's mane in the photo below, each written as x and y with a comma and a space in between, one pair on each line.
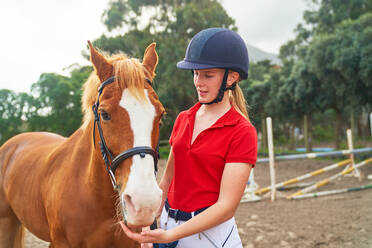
129, 73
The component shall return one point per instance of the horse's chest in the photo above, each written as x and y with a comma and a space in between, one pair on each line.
97, 239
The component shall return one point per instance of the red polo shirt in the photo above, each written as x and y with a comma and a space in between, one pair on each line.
198, 167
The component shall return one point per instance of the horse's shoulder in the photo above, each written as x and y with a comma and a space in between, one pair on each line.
31, 142
38, 137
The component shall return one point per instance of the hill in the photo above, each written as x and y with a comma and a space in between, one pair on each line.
256, 54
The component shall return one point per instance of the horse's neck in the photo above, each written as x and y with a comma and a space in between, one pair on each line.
92, 165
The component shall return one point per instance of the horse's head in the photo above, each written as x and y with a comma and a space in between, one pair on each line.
127, 114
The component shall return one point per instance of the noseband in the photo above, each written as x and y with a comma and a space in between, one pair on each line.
106, 154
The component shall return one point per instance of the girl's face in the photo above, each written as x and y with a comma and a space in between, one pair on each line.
207, 83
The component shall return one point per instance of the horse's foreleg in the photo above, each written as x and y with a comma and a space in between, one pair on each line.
19, 238
11, 232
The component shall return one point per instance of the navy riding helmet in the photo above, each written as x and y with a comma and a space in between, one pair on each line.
217, 48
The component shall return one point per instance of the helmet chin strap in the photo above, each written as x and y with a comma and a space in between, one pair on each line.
221, 91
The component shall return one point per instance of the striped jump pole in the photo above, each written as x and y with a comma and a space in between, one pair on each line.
332, 192
329, 179
303, 177
316, 155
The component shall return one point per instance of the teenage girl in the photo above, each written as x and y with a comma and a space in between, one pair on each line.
213, 148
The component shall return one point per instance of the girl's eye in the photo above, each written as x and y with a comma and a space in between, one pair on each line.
105, 116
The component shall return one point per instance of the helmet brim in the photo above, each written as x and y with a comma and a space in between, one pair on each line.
186, 65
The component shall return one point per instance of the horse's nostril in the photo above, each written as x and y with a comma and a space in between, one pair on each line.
129, 203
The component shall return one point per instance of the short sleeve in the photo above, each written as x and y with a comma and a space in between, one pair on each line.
243, 146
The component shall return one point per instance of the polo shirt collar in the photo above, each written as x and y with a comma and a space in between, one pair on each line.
230, 118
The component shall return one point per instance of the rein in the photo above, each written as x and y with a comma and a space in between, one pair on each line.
111, 162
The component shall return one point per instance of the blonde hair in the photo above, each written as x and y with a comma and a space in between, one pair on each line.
236, 96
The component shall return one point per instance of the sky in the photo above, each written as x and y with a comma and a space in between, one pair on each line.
41, 36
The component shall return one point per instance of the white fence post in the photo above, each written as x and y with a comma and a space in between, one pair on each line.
271, 156
356, 172
370, 122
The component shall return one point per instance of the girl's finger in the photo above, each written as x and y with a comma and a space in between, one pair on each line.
129, 232
124, 227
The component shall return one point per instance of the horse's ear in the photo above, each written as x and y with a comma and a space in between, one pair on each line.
150, 59
101, 65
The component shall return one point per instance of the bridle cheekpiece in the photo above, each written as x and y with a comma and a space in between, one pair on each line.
111, 162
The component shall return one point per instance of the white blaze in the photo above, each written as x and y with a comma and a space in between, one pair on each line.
141, 185
141, 116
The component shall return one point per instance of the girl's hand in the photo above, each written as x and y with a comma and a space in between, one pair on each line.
147, 236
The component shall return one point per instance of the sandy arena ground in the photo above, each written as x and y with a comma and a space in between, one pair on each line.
337, 221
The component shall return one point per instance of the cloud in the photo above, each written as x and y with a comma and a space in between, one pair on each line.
44, 36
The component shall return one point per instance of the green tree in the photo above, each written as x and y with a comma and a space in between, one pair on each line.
256, 89
327, 14
340, 61
279, 104
13, 107
54, 105
326, 56
306, 97
57, 102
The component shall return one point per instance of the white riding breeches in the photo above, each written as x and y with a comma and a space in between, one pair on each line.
225, 235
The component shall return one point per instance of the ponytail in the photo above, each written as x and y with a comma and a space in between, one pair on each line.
237, 98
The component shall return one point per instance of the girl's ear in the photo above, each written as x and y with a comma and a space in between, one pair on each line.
232, 77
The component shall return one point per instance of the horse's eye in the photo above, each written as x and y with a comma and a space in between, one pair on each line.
105, 116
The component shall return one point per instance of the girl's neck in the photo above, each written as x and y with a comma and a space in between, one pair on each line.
216, 108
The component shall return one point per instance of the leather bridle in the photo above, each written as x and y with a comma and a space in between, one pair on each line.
112, 162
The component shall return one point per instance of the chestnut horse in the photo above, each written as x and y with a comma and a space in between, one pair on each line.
72, 192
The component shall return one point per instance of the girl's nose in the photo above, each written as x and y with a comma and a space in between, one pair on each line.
197, 80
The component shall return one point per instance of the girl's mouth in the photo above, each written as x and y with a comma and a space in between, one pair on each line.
203, 93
